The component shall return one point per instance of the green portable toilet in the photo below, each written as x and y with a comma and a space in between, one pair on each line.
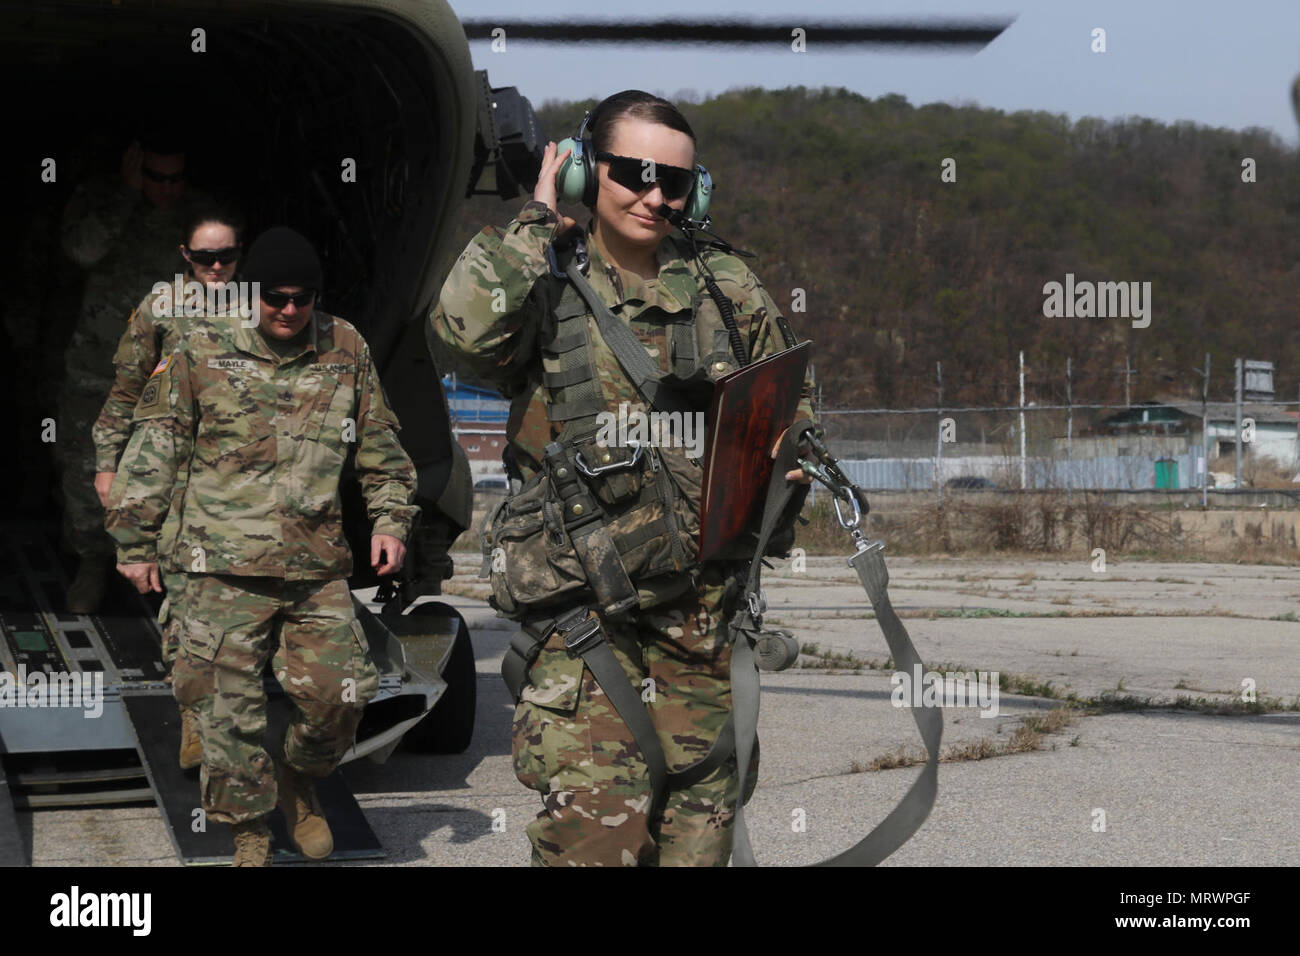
1167, 473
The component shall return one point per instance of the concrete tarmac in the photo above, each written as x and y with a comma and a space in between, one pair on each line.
1148, 786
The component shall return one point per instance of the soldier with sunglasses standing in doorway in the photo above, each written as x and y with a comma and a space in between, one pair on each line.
123, 233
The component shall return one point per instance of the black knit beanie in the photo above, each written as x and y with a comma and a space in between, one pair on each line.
281, 256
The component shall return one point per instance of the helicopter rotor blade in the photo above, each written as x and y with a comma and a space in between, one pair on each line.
945, 33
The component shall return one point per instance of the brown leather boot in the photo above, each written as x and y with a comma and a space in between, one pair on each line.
191, 744
303, 817
252, 843
87, 589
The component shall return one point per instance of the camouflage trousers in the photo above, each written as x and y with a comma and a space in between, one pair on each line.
228, 634
83, 515
170, 617
571, 745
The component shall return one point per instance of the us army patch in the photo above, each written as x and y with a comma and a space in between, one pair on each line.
157, 392
231, 365
332, 367
161, 367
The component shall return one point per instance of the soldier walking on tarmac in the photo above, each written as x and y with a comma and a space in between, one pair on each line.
598, 547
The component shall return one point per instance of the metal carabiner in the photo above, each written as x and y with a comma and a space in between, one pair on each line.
857, 513
612, 466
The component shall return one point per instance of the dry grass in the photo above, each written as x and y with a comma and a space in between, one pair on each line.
1029, 736
1033, 524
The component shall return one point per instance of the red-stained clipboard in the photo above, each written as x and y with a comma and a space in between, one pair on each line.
751, 407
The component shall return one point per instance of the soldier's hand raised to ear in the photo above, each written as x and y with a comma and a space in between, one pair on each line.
544, 192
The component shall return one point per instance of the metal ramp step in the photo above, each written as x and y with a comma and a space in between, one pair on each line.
76, 779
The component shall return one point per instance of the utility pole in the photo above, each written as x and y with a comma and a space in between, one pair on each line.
1205, 433
1022, 420
938, 448
1069, 430
1236, 444
1128, 374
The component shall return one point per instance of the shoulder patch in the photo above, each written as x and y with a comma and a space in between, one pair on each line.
156, 397
160, 368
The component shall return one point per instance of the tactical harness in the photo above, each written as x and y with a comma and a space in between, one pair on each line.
546, 606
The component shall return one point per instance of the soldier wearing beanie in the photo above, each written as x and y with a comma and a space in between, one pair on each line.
266, 417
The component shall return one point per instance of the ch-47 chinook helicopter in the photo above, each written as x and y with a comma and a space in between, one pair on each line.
275, 95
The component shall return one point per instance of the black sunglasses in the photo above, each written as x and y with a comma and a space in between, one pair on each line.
210, 257
631, 173
158, 177
278, 300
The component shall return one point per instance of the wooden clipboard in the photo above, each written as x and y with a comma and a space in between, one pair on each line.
751, 407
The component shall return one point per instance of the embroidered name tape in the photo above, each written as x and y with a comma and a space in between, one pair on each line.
231, 365
332, 368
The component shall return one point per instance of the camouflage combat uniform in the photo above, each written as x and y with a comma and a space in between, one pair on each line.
152, 333
265, 431
127, 244
569, 742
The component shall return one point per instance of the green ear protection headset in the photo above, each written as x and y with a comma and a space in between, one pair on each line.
577, 180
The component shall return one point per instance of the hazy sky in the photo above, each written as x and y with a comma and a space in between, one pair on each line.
1216, 62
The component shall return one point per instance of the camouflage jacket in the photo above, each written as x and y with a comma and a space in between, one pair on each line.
125, 244
489, 323
152, 331
266, 440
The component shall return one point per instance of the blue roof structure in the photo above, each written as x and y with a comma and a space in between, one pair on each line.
471, 405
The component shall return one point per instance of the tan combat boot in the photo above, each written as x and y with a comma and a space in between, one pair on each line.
252, 843
303, 816
191, 745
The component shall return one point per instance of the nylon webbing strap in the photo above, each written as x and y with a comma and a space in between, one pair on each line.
570, 353
599, 658
636, 362
744, 663
906, 818
604, 666
517, 660
591, 539
567, 342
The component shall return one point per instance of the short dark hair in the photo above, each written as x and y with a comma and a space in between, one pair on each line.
636, 104
217, 214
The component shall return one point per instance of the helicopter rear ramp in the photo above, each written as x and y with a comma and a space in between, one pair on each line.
156, 722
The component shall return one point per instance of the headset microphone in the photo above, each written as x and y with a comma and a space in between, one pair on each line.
691, 226
681, 221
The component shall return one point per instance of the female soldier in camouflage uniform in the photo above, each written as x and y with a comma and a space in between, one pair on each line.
210, 247
494, 320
